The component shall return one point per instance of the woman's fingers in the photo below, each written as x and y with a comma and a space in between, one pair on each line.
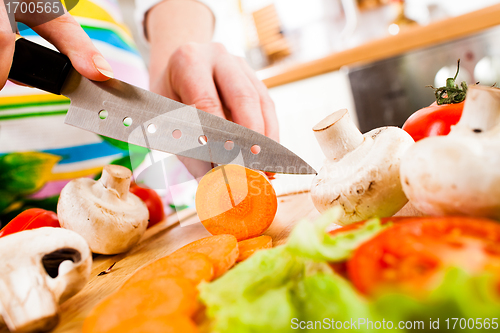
207, 76
7, 45
69, 38
190, 74
238, 93
266, 103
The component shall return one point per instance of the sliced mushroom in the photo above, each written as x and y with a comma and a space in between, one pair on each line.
104, 212
459, 173
361, 172
40, 269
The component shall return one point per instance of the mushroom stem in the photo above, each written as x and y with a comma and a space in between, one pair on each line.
481, 109
117, 178
337, 135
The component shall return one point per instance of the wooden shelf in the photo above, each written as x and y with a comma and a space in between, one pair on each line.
408, 40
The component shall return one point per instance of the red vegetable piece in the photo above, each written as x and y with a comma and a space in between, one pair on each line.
152, 200
31, 219
433, 120
412, 257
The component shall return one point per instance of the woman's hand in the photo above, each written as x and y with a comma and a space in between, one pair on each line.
207, 76
65, 34
187, 67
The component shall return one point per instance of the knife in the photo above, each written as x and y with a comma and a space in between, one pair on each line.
127, 113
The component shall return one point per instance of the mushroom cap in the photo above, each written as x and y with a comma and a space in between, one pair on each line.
40, 268
365, 181
108, 223
454, 174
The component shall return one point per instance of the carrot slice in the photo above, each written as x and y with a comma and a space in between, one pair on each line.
195, 267
150, 299
232, 199
164, 324
250, 246
222, 250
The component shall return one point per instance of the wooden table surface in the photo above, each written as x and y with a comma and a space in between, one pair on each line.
159, 241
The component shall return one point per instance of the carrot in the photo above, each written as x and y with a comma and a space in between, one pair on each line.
232, 199
148, 299
195, 267
250, 246
221, 250
164, 324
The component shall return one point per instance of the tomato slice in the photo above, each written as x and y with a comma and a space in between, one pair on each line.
31, 219
412, 257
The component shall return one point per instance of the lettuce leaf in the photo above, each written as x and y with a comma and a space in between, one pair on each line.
254, 296
326, 295
310, 240
459, 295
276, 289
272, 288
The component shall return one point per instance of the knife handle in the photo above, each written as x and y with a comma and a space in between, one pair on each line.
39, 67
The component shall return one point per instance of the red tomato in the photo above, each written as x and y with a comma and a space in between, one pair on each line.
412, 257
433, 120
152, 201
31, 219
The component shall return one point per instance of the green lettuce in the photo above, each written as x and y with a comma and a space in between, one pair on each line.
459, 295
326, 295
292, 288
254, 296
311, 241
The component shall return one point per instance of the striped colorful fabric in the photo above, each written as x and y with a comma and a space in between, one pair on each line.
32, 121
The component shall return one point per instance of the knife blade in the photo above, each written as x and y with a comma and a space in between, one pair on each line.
127, 113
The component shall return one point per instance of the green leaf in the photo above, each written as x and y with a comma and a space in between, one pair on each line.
6, 199
25, 173
272, 311
262, 271
459, 295
254, 296
326, 295
310, 240
23, 204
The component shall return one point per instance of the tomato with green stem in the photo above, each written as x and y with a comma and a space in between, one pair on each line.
31, 219
438, 118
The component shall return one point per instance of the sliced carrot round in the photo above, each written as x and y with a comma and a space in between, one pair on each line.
164, 324
232, 199
250, 246
195, 267
222, 250
151, 298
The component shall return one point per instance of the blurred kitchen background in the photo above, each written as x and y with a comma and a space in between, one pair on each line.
373, 57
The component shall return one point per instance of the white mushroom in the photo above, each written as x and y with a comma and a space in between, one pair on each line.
104, 212
361, 172
459, 173
39, 269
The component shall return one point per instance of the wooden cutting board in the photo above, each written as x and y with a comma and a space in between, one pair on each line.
159, 241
